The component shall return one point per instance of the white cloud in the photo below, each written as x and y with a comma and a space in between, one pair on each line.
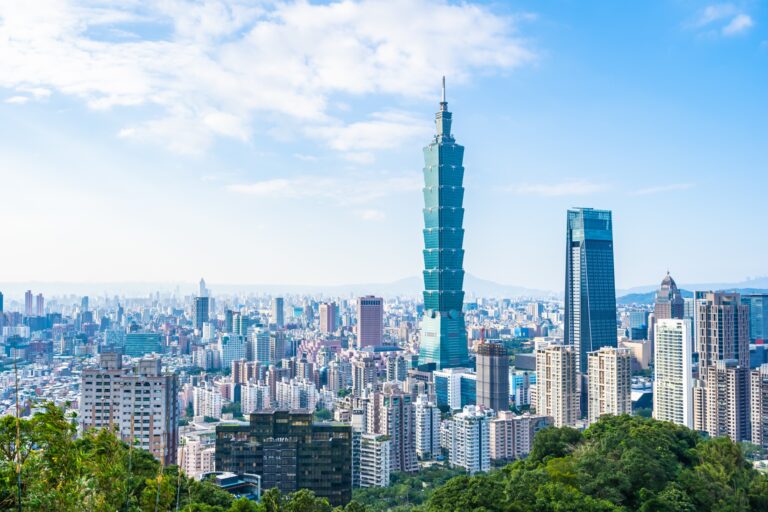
371, 215
216, 68
723, 19
17, 100
344, 190
737, 25
566, 188
662, 188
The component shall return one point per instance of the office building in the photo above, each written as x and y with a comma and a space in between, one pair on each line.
758, 380
758, 315
492, 376
455, 387
469, 440
201, 311
289, 452
28, 308
511, 435
610, 382
427, 428
278, 312
443, 332
232, 347
557, 395
375, 458
39, 305
673, 381
138, 344
260, 344
370, 321
328, 312
590, 293
202, 290
669, 300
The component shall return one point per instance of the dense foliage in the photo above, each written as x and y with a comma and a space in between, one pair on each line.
98, 472
619, 464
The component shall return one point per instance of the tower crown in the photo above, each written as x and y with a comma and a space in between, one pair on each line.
443, 119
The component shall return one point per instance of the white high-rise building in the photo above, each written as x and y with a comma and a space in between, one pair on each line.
100, 392
427, 428
197, 455
512, 435
231, 348
207, 401
610, 382
673, 378
375, 460
468, 439
254, 397
260, 346
557, 395
297, 394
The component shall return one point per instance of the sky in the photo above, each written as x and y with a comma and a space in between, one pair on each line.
281, 142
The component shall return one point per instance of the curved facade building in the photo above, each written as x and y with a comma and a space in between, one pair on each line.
443, 333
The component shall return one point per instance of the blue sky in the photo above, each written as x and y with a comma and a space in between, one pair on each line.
262, 142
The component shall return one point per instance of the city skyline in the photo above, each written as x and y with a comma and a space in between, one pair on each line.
339, 155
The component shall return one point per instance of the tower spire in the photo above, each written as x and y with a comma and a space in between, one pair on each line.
443, 103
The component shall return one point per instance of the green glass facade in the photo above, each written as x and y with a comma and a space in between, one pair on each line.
443, 333
290, 452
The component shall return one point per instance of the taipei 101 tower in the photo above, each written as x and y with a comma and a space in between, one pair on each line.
443, 333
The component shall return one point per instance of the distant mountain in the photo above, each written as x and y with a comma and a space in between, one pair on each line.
650, 297
474, 287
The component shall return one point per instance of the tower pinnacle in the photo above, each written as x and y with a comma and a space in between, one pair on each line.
443, 103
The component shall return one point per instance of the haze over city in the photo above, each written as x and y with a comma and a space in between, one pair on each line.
281, 143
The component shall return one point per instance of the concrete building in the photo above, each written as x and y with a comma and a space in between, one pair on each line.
726, 400
758, 380
557, 395
254, 397
297, 394
364, 373
397, 368
328, 312
468, 439
149, 409
492, 376
610, 382
392, 413
427, 428
375, 459
232, 347
207, 401
673, 379
511, 435
278, 312
100, 392
370, 321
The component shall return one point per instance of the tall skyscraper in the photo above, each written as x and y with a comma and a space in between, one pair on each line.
669, 301
443, 332
39, 305
758, 315
202, 289
672, 383
278, 312
721, 397
590, 293
493, 376
28, 310
610, 382
201, 311
328, 313
1, 302
370, 321
557, 395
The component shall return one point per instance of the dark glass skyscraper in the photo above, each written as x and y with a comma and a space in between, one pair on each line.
443, 334
590, 292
